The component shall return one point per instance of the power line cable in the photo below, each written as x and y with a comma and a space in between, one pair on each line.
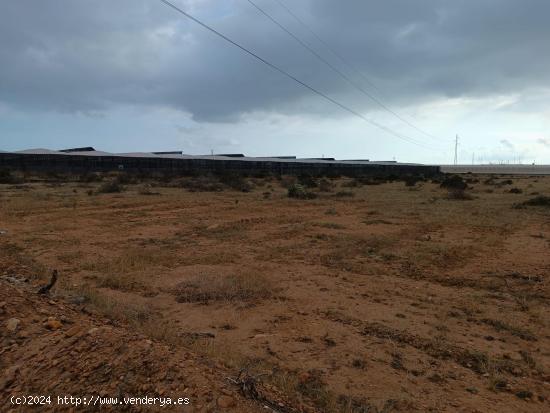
343, 60
292, 77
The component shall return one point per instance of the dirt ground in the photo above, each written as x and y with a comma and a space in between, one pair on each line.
368, 298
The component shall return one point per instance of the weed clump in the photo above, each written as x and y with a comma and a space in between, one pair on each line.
126, 179
454, 182
325, 185
312, 385
540, 200
344, 194
90, 177
206, 183
365, 180
412, 180
459, 195
147, 191
236, 181
456, 187
354, 183
298, 191
307, 181
111, 187
241, 287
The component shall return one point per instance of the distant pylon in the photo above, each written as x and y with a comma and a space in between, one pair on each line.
456, 150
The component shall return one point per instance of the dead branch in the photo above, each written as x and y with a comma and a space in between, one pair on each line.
45, 289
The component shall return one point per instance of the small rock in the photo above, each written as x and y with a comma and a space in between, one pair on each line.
225, 402
53, 324
472, 390
13, 324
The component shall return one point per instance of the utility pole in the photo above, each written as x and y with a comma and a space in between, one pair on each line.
473, 157
456, 150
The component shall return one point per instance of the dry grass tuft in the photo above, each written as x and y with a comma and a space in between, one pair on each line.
239, 287
344, 194
123, 282
111, 187
132, 260
299, 192
113, 308
459, 195
540, 200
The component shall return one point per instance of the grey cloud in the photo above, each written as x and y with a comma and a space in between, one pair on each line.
87, 56
507, 144
544, 142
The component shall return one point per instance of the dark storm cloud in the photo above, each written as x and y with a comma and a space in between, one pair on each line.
89, 55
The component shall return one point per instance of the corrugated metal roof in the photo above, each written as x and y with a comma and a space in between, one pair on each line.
39, 151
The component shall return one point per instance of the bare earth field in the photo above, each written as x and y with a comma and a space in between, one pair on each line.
368, 298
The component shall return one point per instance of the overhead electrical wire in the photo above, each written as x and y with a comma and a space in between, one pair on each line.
292, 77
343, 60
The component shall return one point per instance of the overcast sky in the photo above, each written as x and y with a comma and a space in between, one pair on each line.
134, 75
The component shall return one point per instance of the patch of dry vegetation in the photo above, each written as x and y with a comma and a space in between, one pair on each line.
299, 191
112, 307
237, 287
131, 261
540, 200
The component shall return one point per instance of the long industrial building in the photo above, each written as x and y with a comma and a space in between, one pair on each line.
88, 159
